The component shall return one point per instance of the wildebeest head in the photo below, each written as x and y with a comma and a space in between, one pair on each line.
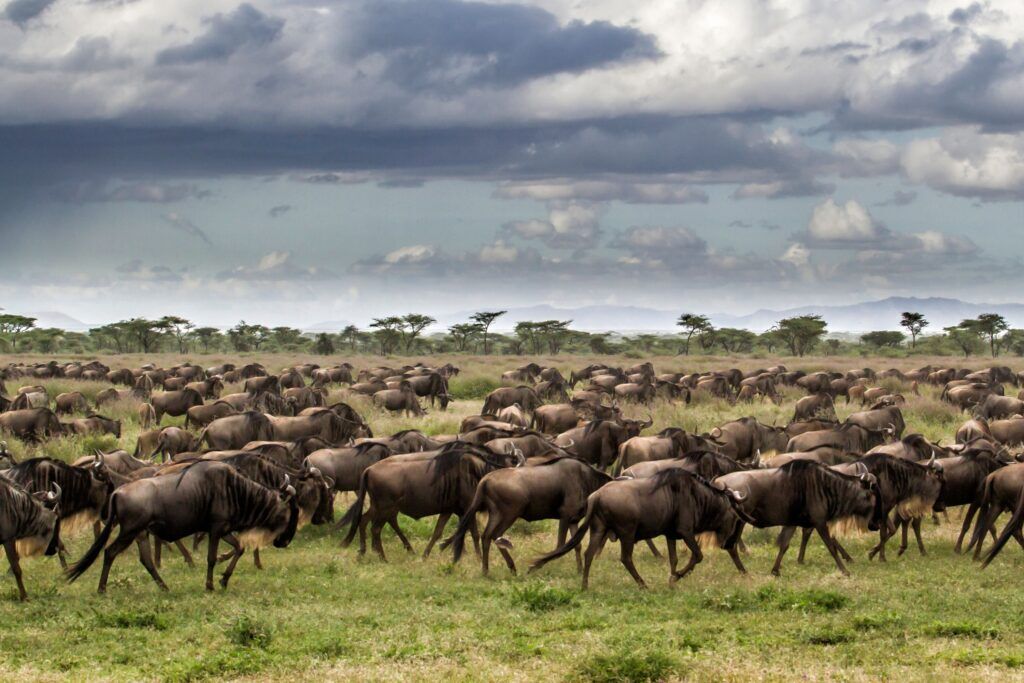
287, 494
324, 511
867, 502
634, 427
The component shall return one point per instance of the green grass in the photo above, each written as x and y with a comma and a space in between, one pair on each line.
317, 611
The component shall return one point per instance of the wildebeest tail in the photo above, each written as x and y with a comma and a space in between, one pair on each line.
98, 545
1012, 527
458, 539
572, 543
354, 514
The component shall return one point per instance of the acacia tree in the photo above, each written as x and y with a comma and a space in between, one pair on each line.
412, 325
388, 332
178, 328
692, 324
800, 333
145, 333
883, 338
324, 346
350, 335
965, 336
206, 336
914, 322
991, 325
484, 319
14, 326
463, 333
245, 336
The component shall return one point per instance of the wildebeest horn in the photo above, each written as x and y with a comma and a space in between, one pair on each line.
650, 420
55, 493
520, 458
736, 495
862, 469
757, 459
314, 472
715, 433
287, 483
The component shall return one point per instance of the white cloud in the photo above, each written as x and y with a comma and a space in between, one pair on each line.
843, 224
603, 191
968, 163
417, 253
571, 225
796, 255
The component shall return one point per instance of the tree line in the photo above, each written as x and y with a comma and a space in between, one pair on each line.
407, 334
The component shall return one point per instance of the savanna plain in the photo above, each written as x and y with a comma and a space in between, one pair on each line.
317, 611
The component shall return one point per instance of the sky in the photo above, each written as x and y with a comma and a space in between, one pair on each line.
295, 162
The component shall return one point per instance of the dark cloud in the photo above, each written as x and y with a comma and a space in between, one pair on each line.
225, 35
22, 11
137, 271
899, 198
964, 15
451, 44
279, 210
178, 222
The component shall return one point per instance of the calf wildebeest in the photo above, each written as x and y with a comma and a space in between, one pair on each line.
556, 489
304, 397
70, 402
705, 463
207, 497
805, 494
29, 525
909, 488
441, 485
147, 416
504, 397
405, 441
848, 437
174, 403
399, 400
85, 491
674, 503
31, 424
172, 441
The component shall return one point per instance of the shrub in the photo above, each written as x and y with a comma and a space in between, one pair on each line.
249, 631
629, 667
541, 598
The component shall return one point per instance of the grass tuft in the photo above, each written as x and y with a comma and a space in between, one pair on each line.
628, 667
538, 597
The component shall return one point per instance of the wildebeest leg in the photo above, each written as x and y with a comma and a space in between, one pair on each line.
375, 541
917, 534
393, 523
12, 559
123, 540
256, 558
62, 554
831, 545
474, 532
883, 538
157, 546
233, 542
626, 557
363, 522
211, 558
783, 542
573, 528
597, 539
968, 516
185, 554
804, 538
496, 526
654, 548
146, 558
673, 557
196, 540
904, 526
442, 522
695, 557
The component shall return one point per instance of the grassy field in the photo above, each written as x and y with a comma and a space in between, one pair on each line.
318, 611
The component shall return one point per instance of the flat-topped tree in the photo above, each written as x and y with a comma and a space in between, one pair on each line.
484, 319
692, 324
914, 322
991, 325
14, 326
800, 333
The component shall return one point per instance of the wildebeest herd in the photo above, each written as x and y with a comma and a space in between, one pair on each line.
250, 468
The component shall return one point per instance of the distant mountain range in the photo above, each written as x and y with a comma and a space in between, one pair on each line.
862, 317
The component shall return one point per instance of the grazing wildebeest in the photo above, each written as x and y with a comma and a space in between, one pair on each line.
556, 489
815, 406
674, 503
431, 385
29, 525
174, 403
207, 497
70, 402
879, 417
31, 424
234, 431
93, 424
356, 427
848, 437
996, 407
805, 494
441, 485
504, 397
399, 400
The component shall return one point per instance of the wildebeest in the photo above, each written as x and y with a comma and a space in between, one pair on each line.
345, 465
743, 438
441, 485
503, 397
174, 403
674, 503
70, 402
93, 424
29, 525
880, 417
556, 489
995, 407
325, 425
433, 386
848, 437
207, 497
805, 494
598, 442
234, 431
31, 424
554, 418
200, 416
402, 399
815, 406
1000, 493
85, 491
